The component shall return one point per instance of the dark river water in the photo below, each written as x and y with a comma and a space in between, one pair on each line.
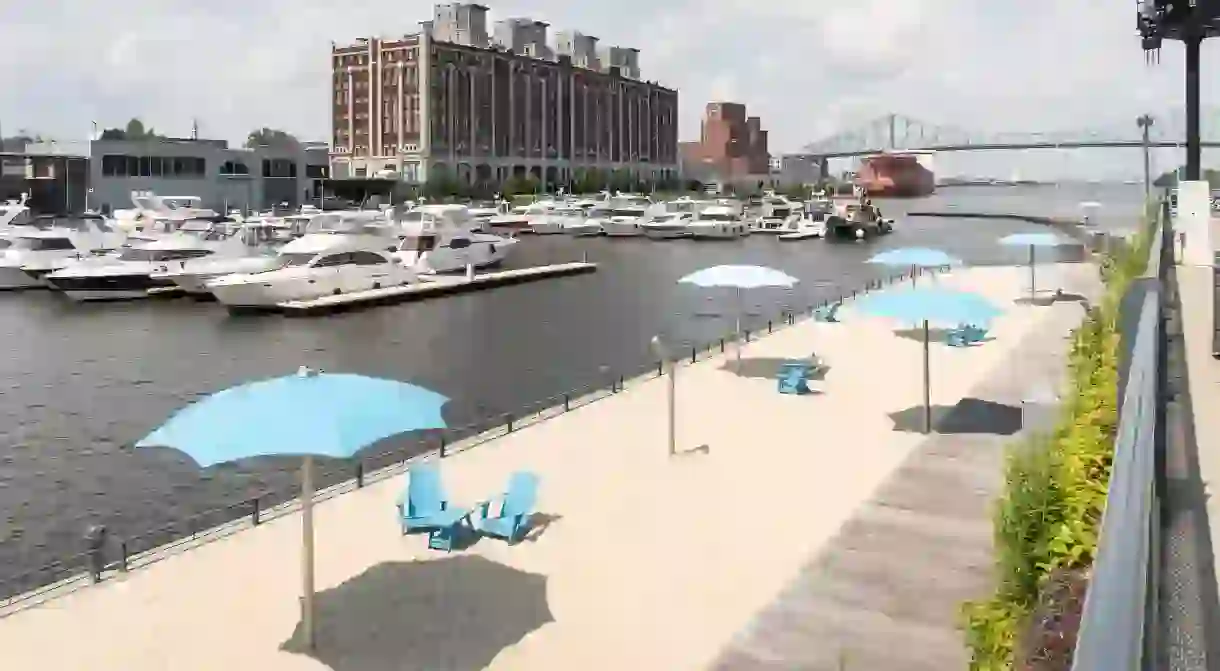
79, 384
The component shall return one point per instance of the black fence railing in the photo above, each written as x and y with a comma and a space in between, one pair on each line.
104, 555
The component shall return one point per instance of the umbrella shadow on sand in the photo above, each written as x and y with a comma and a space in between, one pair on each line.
970, 415
767, 368
455, 614
1050, 298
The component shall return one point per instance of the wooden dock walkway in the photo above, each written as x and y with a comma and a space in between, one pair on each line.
885, 593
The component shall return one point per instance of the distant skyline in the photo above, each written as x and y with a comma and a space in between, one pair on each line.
808, 68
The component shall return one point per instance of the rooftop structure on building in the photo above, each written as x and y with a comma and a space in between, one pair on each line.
451, 101
732, 145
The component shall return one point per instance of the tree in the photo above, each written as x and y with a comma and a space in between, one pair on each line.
271, 137
519, 185
134, 130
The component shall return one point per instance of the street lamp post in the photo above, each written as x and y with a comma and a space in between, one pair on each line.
1145, 124
670, 367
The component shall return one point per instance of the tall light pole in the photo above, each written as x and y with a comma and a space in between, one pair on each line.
669, 365
1145, 124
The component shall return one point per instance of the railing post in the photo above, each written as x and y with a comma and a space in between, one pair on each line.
255, 504
508, 422
123, 556
567, 402
95, 540
442, 441
359, 474
769, 328
722, 345
693, 354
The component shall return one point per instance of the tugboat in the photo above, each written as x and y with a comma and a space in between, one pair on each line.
857, 219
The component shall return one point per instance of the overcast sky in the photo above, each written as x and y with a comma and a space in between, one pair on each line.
807, 67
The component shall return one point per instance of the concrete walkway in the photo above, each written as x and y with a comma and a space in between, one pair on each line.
885, 593
649, 562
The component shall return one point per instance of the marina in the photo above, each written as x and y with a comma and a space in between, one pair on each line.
93, 376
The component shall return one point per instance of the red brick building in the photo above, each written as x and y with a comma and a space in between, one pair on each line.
732, 146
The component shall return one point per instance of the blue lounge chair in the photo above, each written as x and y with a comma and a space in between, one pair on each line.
965, 335
794, 378
422, 505
828, 313
515, 508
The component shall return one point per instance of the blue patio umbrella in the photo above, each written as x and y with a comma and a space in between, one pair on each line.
307, 414
932, 305
1033, 241
915, 257
739, 277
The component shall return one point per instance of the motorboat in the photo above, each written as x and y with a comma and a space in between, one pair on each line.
624, 216
148, 208
441, 239
129, 274
482, 214
718, 222
548, 218
777, 213
51, 242
522, 217
260, 239
802, 229
856, 218
316, 265
580, 222
667, 225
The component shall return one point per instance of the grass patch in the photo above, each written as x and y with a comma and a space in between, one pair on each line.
1048, 516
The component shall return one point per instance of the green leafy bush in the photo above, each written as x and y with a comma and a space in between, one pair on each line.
1047, 518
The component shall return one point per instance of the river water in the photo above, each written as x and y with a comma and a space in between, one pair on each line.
81, 383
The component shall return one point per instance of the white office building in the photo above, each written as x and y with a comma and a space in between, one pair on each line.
222, 177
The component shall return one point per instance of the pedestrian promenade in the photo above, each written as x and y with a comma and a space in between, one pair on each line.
649, 561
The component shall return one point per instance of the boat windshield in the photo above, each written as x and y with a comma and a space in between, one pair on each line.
43, 244
718, 216
418, 243
285, 260
661, 218
627, 212
138, 254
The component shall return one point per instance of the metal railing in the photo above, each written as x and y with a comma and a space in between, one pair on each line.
106, 556
1127, 624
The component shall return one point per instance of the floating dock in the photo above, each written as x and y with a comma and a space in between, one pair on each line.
429, 287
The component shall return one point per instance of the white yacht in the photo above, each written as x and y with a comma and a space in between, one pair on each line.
149, 208
316, 265
718, 222
441, 239
777, 213
548, 218
667, 225
522, 217
580, 222
260, 238
50, 243
129, 273
625, 216
482, 214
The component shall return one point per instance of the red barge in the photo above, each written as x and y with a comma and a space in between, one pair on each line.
897, 175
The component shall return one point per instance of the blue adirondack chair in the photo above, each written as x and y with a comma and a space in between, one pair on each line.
828, 313
422, 505
965, 335
794, 378
515, 508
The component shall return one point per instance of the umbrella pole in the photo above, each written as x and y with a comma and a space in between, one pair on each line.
927, 387
913, 271
741, 306
307, 551
1033, 290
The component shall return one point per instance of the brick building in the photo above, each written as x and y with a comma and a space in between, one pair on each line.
457, 101
732, 146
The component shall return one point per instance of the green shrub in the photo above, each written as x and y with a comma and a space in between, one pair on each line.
1048, 515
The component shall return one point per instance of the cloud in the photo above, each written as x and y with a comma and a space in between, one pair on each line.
808, 68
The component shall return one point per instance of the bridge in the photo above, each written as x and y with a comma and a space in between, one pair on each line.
898, 132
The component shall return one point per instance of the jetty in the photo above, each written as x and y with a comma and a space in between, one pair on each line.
788, 531
430, 286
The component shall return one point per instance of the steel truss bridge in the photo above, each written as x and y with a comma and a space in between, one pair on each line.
897, 132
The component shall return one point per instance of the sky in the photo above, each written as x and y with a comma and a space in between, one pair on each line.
809, 68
